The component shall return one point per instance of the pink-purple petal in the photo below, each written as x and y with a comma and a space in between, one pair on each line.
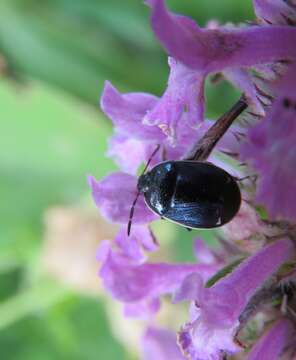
176, 35
242, 80
189, 289
127, 111
274, 11
216, 310
249, 275
200, 342
210, 50
270, 148
245, 224
128, 152
114, 196
271, 345
203, 252
160, 344
144, 309
182, 100
134, 246
129, 282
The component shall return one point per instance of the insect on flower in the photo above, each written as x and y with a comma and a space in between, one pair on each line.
193, 192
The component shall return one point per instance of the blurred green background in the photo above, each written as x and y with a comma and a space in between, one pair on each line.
54, 58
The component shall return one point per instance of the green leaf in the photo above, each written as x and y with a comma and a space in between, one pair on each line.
48, 322
223, 272
49, 144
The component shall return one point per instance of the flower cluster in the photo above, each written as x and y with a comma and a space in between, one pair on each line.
230, 300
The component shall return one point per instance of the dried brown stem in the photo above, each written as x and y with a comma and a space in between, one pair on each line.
206, 144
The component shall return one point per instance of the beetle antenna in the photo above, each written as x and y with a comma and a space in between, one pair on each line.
151, 157
129, 225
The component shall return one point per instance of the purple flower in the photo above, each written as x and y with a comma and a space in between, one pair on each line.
127, 111
275, 11
242, 79
141, 121
258, 60
138, 152
141, 240
160, 344
203, 253
209, 50
140, 285
114, 196
216, 310
184, 98
271, 150
276, 339
144, 309
245, 227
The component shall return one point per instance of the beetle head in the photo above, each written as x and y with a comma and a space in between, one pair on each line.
144, 182
143, 185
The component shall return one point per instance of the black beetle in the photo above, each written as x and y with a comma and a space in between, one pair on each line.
192, 192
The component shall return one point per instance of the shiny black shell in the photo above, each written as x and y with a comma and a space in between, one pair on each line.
190, 193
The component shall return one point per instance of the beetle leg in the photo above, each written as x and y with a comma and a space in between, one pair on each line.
247, 201
253, 178
164, 154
